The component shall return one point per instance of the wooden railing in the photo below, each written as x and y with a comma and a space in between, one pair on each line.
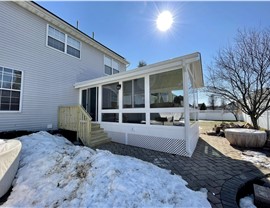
75, 118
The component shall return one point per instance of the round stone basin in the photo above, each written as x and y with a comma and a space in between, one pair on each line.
245, 137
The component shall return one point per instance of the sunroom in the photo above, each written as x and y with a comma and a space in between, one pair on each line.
154, 107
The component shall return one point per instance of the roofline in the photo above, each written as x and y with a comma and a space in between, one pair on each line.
157, 67
25, 5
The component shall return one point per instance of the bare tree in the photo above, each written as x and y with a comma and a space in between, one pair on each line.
234, 109
223, 104
142, 63
212, 100
241, 73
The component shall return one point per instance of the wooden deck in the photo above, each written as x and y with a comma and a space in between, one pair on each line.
75, 118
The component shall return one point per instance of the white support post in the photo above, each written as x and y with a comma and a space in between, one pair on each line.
97, 110
80, 97
99, 102
147, 99
120, 107
186, 106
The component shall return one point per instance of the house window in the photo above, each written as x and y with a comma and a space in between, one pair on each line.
108, 70
63, 42
133, 93
110, 66
73, 47
10, 89
115, 67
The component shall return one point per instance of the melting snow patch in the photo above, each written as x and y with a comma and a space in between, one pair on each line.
257, 158
247, 202
53, 172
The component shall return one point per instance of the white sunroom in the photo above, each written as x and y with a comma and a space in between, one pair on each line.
154, 107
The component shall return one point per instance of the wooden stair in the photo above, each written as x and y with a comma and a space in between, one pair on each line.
75, 118
98, 136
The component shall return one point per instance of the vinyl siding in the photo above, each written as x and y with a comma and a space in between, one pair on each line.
48, 74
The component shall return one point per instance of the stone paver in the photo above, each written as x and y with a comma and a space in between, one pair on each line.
214, 165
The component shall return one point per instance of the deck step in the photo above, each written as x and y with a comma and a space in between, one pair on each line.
98, 136
95, 126
99, 141
97, 131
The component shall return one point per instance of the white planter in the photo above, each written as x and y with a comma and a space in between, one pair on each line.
9, 162
245, 137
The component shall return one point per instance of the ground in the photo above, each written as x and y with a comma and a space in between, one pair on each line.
206, 126
55, 173
214, 165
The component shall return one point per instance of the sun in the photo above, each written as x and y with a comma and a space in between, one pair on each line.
164, 21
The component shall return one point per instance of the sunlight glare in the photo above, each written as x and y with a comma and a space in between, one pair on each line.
164, 21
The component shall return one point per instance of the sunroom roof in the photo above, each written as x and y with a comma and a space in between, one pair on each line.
193, 59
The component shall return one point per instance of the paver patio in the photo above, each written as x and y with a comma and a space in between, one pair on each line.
214, 165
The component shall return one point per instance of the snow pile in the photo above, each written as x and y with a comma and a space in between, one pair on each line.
257, 158
247, 202
53, 172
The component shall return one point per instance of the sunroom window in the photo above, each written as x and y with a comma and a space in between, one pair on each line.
110, 96
10, 89
110, 117
136, 118
133, 93
166, 89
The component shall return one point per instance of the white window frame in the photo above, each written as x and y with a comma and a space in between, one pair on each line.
72, 46
113, 64
133, 93
21, 92
66, 44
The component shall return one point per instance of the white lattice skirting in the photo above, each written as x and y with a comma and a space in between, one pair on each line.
169, 145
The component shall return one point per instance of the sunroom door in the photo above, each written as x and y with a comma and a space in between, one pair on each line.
90, 102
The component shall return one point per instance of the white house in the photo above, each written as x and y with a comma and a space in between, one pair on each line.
41, 57
46, 63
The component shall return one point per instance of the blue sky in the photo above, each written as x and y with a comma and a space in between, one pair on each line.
129, 28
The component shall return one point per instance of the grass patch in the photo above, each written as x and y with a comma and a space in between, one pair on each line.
209, 125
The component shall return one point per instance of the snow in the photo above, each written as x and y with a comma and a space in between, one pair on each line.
53, 172
247, 202
257, 158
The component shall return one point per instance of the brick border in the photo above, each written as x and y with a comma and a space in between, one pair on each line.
231, 187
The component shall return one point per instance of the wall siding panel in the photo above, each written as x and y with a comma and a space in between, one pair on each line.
48, 74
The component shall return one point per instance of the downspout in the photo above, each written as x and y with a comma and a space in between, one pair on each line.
186, 107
